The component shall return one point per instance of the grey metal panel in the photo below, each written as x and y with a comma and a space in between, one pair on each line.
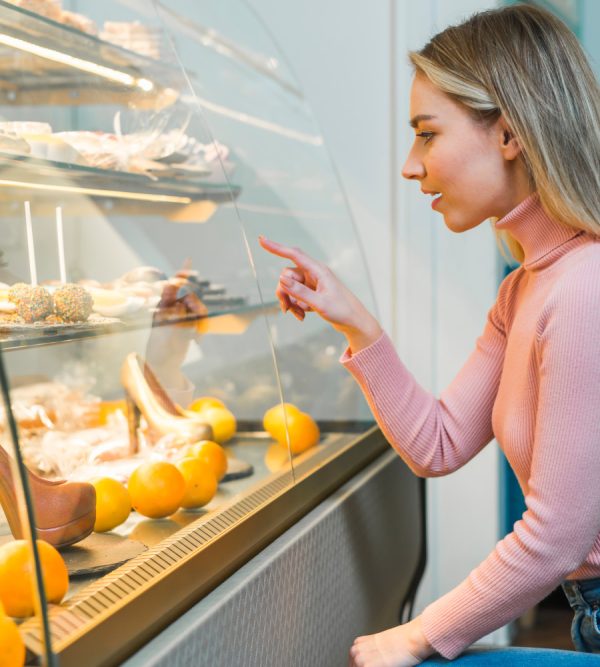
341, 571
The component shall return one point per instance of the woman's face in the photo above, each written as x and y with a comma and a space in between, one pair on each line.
469, 168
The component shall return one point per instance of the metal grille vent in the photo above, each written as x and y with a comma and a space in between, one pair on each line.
99, 597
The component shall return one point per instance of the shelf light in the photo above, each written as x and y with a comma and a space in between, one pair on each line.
95, 192
78, 63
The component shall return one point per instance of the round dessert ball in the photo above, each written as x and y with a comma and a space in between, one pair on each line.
73, 303
34, 304
17, 290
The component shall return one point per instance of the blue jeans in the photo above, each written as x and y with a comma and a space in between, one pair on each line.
584, 597
540, 657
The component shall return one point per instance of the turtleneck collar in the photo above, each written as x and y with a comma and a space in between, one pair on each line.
542, 238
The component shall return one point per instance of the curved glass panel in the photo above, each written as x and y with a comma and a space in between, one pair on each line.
143, 149
240, 82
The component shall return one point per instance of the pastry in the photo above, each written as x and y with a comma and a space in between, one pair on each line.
133, 36
79, 22
21, 127
146, 274
11, 143
45, 8
73, 303
34, 304
106, 298
51, 147
16, 291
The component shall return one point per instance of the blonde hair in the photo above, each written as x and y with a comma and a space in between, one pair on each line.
521, 62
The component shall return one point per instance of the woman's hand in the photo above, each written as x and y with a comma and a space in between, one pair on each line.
312, 286
402, 646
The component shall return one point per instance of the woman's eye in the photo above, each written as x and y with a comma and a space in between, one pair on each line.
428, 136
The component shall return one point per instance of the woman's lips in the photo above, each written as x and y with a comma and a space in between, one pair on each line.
436, 196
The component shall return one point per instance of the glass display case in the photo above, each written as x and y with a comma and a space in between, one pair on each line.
144, 146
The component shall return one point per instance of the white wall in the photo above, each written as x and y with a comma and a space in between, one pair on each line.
433, 288
590, 24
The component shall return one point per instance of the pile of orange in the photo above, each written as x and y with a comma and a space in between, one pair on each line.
17, 592
212, 454
158, 488
215, 413
284, 420
200, 482
17, 579
108, 408
113, 504
12, 648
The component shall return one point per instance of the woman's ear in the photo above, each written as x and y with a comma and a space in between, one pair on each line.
509, 144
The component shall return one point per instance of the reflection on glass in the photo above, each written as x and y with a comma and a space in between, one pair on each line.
147, 361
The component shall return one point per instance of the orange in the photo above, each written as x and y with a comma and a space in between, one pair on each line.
113, 504
211, 453
12, 648
273, 418
222, 421
17, 578
106, 408
156, 489
200, 482
206, 402
303, 430
277, 457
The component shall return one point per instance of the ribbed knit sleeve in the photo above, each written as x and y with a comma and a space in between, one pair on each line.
534, 374
434, 437
562, 521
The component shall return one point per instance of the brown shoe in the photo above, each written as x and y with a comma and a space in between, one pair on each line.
65, 512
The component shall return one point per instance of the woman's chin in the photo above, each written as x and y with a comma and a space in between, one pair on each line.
459, 225
453, 225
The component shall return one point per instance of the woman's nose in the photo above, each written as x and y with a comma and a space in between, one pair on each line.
413, 167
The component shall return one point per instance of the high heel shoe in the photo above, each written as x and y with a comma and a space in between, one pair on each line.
146, 396
65, 512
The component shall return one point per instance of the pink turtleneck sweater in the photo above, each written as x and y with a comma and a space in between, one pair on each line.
532, 382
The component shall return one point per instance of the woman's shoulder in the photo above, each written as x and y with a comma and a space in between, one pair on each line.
578, 281
581, 265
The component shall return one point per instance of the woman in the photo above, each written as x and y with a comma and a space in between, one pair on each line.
506, 113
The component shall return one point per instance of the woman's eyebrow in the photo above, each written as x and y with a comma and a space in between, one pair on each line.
413, 122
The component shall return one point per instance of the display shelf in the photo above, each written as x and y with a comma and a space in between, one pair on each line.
45, 62
224, 105
105, 621
23, 177
233, 320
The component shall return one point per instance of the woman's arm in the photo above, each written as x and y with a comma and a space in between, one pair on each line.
433, 436
561, 525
